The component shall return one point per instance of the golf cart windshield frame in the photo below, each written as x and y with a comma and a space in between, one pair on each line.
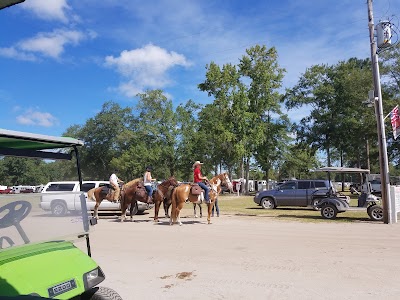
24, 144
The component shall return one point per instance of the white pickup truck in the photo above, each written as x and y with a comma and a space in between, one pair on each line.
64, 196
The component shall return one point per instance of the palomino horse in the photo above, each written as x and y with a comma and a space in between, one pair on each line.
225, 181
101, 193
163, 195
182, 193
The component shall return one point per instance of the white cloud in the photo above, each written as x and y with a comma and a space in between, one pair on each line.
12, 52
31, 117
46, 44
51, 43
145, 67
48, 10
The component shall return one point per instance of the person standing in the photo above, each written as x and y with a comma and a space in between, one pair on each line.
216, 208
198, 178
115, 181
147, 181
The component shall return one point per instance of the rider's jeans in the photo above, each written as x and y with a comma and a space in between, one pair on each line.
206, 190
149, 190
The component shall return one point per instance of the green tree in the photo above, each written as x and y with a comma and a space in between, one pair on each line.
104, 139
338, 120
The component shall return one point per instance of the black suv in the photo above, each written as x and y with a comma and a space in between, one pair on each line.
294, 193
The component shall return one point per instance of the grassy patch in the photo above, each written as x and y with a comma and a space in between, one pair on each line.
245, 206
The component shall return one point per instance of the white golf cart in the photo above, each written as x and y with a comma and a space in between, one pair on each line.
335, 203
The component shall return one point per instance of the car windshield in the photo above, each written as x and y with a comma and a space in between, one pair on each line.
23, 220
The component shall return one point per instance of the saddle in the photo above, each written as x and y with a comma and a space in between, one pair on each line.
195, 189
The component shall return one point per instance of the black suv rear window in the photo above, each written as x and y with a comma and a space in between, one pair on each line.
304, 185
87, 186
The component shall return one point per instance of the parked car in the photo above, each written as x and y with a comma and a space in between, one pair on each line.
6, 191
63, 196
294, 193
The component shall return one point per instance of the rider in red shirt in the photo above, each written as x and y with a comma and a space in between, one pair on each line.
198, 178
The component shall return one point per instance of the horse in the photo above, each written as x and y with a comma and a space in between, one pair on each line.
163, 194
107, 193
225, 181
182, 194
129, 197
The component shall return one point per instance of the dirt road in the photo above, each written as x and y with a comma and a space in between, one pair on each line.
240, 257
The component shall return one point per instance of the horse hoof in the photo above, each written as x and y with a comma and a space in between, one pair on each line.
196, 216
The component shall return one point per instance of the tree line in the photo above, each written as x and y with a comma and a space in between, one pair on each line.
245, 130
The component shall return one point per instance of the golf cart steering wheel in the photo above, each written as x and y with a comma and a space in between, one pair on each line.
14, 215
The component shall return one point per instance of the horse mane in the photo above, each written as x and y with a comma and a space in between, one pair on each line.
132, 182
219, 176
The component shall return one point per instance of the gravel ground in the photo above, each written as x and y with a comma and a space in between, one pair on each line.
247, 257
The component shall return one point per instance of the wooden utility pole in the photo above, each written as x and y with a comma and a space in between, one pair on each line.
377, 100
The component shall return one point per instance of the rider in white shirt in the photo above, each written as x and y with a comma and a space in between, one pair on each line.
114, 181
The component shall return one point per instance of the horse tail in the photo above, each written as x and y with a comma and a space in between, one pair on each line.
90, 195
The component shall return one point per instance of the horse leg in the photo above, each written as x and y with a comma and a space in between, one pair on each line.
123, 209
201, 211
194, 210
156, 208
133, 206
167, 204
209, 206
96, 209
178, 212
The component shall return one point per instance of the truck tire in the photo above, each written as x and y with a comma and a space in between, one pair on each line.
329, 211
104, 293
59, 209
375, 212
267, 203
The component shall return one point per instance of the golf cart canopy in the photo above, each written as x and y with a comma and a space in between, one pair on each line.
24, 144
7, 3
341, 170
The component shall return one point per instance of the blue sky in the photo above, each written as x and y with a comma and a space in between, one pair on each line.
60, 60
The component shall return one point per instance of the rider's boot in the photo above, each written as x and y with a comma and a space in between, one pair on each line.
150, 200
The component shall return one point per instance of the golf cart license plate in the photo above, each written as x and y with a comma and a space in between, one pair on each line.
62, 288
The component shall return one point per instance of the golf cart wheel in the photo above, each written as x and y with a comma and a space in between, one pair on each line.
375, 212
267, 203
105, 293
329, 211
315, 203
59, 209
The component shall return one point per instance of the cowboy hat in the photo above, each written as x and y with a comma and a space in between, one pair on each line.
197, 163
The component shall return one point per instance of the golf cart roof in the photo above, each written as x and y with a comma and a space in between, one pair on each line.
341, 170
18, 143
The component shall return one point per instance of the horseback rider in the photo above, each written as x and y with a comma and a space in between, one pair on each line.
198, 178
114, 181
147, 180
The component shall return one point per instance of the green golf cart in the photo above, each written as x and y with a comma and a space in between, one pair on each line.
40, 254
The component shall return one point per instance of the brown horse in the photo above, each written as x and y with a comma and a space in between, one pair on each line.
101, 193
225, 181
182, 193
130, 196
163, 195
